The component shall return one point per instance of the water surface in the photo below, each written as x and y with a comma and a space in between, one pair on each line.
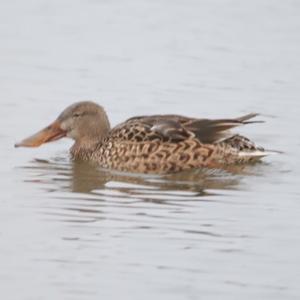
71, 231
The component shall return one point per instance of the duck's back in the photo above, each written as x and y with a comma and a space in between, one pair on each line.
172, 143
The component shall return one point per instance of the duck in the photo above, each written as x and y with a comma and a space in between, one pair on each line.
154, 144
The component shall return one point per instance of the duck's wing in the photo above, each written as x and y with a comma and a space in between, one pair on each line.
212, 131
151, 128
175, 128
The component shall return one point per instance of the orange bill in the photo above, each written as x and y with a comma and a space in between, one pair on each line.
51, 133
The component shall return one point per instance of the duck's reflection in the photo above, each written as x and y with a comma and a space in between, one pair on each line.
80, 177
89, 193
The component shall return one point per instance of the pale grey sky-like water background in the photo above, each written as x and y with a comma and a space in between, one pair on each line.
68, 231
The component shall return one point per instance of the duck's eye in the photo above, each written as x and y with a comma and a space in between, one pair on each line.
76, 115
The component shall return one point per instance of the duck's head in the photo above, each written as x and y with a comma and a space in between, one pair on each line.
85, 122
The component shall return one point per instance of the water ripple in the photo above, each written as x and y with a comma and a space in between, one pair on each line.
83, 193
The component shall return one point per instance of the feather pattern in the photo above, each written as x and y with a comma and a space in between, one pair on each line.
171, 143
178, 128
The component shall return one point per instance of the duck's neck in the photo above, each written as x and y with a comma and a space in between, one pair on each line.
90, 137
83, 150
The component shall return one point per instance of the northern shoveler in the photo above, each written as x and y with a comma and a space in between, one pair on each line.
149, 144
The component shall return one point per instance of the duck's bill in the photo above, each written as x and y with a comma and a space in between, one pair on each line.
51, 133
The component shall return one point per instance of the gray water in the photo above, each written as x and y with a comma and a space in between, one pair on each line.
70, 231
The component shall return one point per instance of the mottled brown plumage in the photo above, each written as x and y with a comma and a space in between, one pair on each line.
150, 144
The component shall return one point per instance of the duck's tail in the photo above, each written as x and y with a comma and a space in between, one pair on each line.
257, 154
245, 119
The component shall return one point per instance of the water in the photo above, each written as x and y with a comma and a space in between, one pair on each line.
68, 231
